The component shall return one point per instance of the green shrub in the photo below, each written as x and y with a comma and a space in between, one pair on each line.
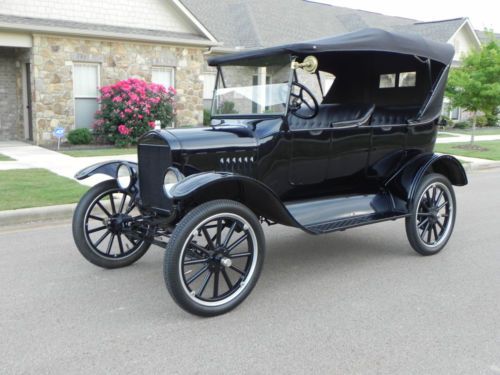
461, 125
81, 136
207, 116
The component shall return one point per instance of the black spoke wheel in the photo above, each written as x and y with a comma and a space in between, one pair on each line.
214, 257
432, 219
101, 227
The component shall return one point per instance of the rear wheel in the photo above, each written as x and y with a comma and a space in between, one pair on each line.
214, 257
432, 218
100, 227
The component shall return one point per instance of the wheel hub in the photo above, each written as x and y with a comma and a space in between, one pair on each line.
116, 223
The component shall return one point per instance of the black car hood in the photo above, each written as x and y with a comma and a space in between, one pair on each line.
209, 138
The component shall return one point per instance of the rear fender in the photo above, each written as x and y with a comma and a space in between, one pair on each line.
404, 183
108, 168
203, 187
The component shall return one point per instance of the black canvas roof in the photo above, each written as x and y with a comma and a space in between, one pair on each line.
373, 40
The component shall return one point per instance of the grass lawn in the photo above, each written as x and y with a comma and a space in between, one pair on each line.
5, 158
101, 152
481, 131
445, 135
490, 150
22, 188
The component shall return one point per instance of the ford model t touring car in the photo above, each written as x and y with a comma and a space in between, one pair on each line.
286, 146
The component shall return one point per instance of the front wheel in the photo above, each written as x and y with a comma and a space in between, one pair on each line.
214, 257
100, 227
432, 217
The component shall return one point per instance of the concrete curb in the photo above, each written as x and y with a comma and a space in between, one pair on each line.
36, 214
65, 211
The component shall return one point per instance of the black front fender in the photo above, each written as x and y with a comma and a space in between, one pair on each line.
406, 180
107, 168
203, 187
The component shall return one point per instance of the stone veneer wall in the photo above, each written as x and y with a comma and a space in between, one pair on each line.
8, 95
53, 59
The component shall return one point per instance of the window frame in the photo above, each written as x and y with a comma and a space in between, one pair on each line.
98, 86
158, 68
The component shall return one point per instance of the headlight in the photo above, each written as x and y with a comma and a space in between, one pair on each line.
124, 176
172, 177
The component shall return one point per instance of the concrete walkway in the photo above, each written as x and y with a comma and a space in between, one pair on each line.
456, 137
29, 156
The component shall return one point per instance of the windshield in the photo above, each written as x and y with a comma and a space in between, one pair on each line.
253, 87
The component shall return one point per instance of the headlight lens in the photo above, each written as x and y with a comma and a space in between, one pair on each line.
124, 176
172, 177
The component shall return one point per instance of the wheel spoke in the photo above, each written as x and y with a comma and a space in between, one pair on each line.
196, 275
240, 255
440, 225
210, 243
205, 283
216, 284
103, 208
131, 206
195, 261
102, 238
110, 244
226, 278
96, 218
439, 197
429, 234
120, 243
444, 204
237, 242
424, 231
122, 203
234, 268
98, 229
435, 232
421, 224
424, 214
229, 234
198, 247
219, 232
112, 201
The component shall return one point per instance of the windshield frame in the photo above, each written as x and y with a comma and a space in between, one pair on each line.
220, 78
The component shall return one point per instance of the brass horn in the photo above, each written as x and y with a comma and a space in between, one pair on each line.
309, 64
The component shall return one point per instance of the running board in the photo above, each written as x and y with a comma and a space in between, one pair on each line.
338, 213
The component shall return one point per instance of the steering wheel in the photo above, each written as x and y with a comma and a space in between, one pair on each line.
298, 100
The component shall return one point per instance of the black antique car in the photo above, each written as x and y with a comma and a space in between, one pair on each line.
323, 136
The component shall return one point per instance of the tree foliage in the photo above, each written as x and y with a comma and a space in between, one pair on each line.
475, 85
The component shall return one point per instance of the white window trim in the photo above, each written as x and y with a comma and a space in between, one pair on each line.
98, 65
169, 68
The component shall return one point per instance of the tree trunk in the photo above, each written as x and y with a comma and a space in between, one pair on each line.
474, 116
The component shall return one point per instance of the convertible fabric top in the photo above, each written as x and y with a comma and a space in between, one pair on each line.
374, 40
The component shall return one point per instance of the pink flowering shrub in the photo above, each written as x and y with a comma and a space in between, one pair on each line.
130, 108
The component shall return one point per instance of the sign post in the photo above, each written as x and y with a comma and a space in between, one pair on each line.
58, 133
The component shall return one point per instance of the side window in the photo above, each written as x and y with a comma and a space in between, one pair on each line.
392, 80
163, 75
387, 81
85, 92
407, 79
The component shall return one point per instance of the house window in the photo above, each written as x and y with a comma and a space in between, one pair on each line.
208, 85
163, 75
387, 81
407, 79
455, 113
85, 89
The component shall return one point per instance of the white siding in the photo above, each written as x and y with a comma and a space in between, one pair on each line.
463, 42
144, 14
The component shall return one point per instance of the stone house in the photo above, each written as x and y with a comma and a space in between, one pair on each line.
54, 55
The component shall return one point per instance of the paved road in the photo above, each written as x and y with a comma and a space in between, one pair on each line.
357, 302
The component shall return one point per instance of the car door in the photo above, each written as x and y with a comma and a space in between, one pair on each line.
310, 152
349, 155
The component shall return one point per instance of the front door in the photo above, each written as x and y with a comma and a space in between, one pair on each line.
27, 104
